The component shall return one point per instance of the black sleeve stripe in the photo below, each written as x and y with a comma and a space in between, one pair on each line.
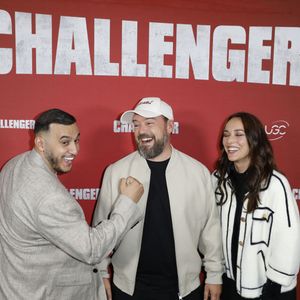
286, 200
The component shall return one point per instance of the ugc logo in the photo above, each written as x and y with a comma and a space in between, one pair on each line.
277, 130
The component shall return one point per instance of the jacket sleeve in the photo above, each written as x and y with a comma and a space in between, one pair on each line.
210, 244
61, 221
102, 210
283, 263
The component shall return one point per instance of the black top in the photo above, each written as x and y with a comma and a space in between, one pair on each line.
157, 263
239, 182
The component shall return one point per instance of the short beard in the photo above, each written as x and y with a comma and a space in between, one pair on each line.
54, 163
155, 150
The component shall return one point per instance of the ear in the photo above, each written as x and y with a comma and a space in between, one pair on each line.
170, 126
39, 143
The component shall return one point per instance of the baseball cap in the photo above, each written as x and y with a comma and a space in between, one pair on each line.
149, 107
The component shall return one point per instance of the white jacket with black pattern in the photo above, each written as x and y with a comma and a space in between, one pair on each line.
269, 237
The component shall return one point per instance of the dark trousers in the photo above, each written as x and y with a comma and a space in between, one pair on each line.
229, 292
140, 294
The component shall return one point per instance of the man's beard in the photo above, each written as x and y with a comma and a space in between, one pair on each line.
53, 162
157, 148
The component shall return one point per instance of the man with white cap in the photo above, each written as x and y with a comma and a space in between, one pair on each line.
159, 258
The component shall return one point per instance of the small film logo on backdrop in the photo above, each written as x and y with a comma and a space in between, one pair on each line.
119, 127
296, 192
277, 130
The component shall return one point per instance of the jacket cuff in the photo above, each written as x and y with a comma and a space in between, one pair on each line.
213, 278
276, 276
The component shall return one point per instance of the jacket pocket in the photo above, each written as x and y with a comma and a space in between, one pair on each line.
72, 287
262, 221
73, 279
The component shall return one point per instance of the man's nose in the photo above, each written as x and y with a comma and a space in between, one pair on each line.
74, 148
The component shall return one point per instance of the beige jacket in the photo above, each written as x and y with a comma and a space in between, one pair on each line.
47, 250
194, 214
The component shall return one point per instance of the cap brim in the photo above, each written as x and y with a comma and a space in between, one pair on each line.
127, 116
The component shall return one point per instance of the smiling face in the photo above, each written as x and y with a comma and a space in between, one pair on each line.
58, 146
236, 145
152, 136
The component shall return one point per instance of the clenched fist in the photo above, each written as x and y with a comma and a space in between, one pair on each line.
131, 188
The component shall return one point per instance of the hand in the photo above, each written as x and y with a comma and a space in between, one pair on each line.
212, 291
131, 188
107, 286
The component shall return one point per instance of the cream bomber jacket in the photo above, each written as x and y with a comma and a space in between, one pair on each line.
195, 220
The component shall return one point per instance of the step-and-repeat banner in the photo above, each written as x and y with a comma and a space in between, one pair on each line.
97, 58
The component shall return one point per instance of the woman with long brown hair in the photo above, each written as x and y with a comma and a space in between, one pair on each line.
259, 215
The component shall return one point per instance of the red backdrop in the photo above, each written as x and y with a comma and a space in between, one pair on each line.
97, 58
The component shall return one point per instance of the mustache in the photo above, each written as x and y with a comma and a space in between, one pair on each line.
145, 136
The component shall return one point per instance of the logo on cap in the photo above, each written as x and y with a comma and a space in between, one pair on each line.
146, 102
